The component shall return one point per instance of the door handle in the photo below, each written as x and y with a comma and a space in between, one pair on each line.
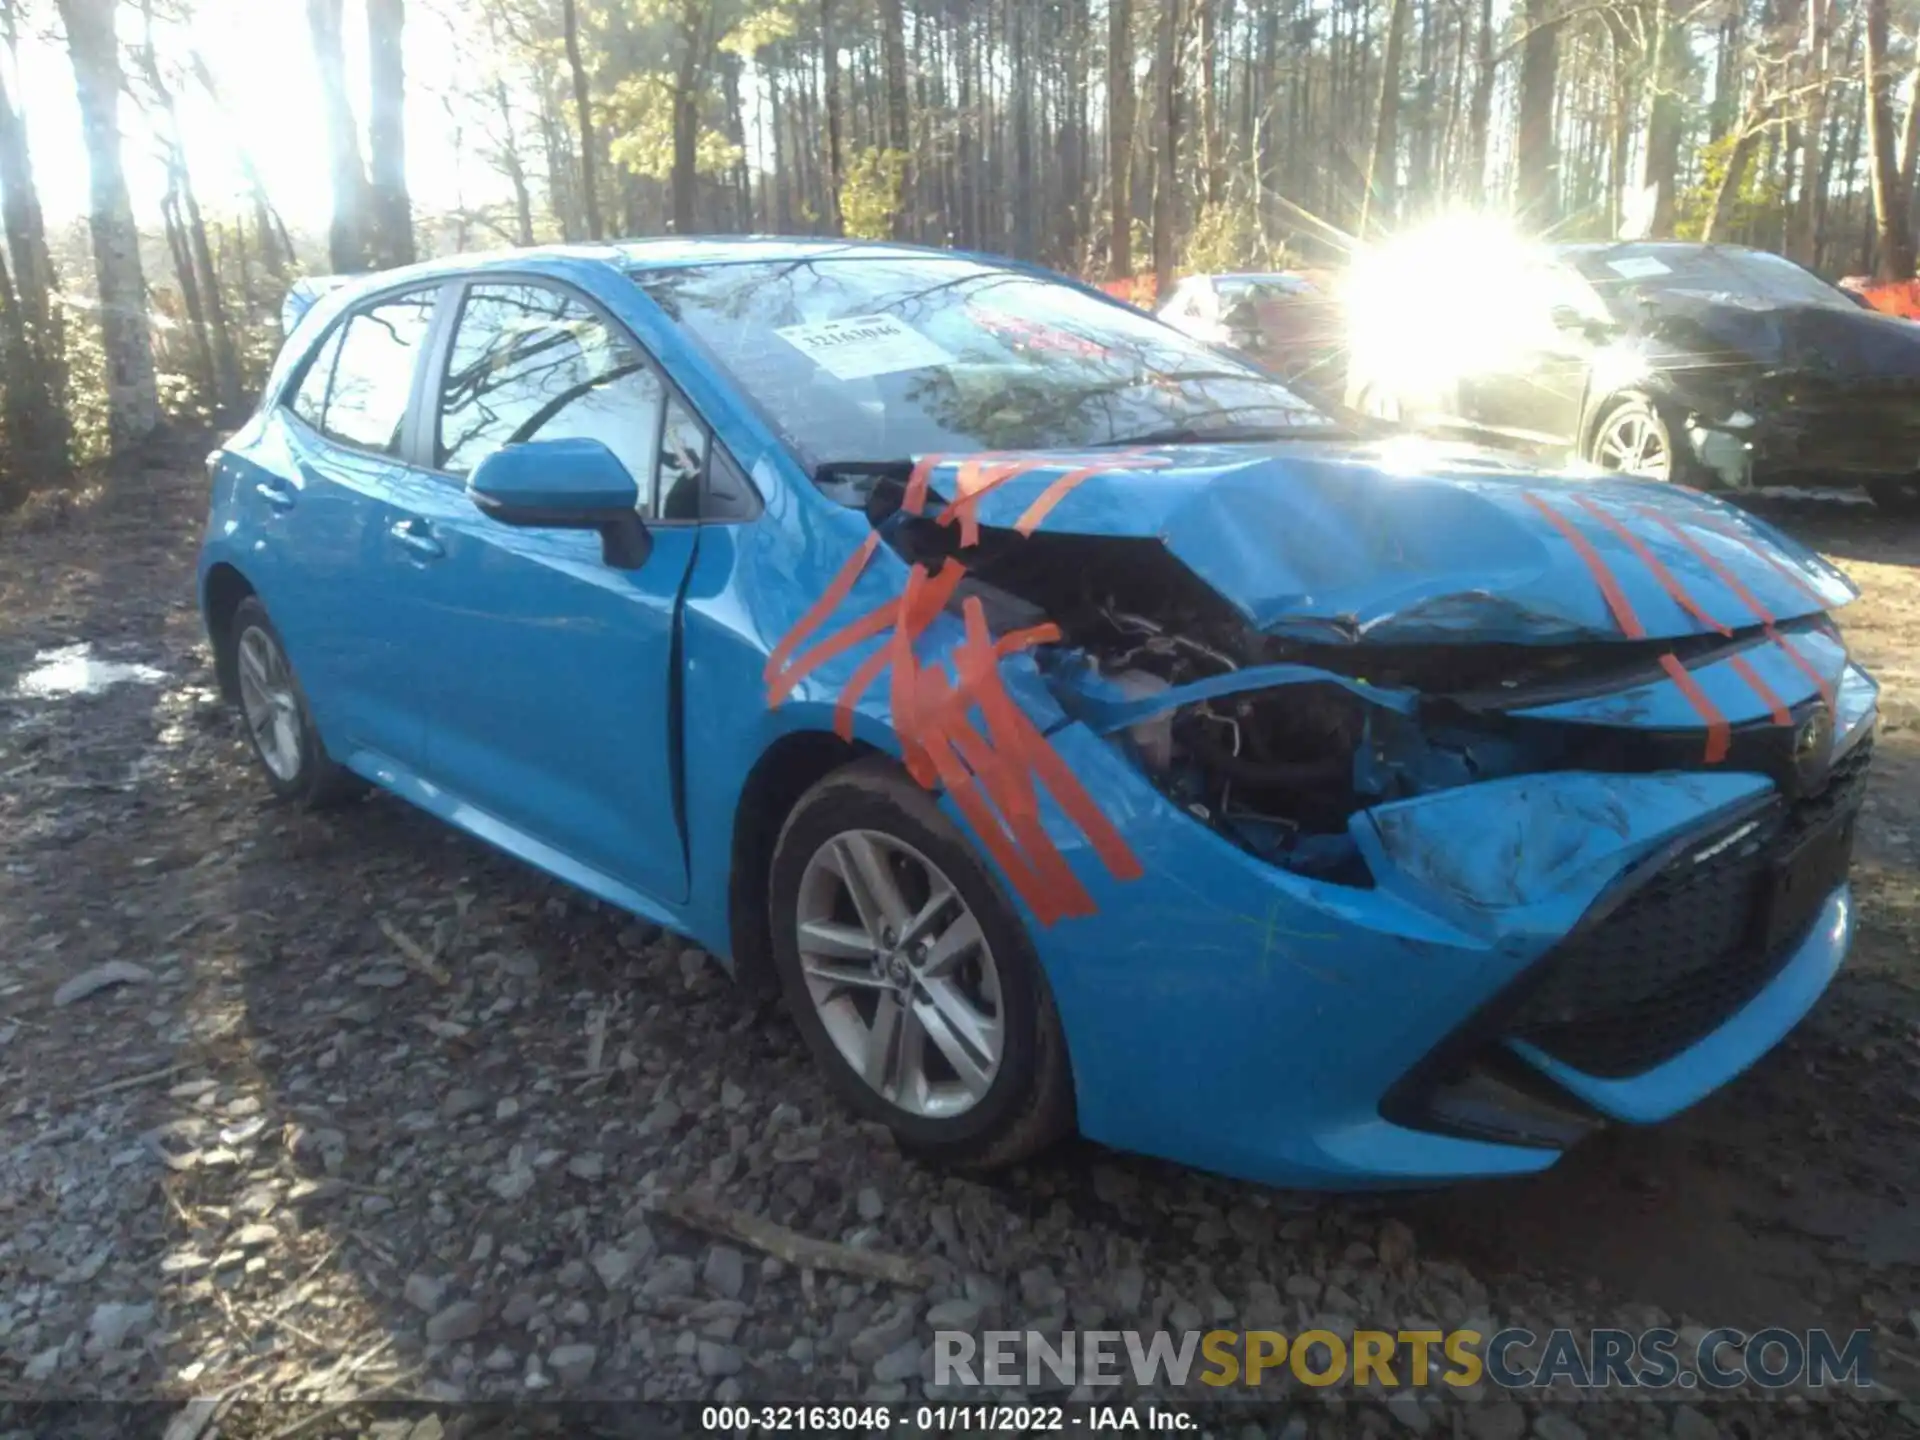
413, 535
278, 496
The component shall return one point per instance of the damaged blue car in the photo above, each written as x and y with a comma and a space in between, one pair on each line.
1081, 730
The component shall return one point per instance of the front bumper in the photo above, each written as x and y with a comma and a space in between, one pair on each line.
1866, 433
1227, 1014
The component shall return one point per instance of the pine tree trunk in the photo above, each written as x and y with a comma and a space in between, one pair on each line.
1535, 163
189, 283
830, 82
39, 430
1661, 161
1801, 219
133, 396
730, 73
583, 114
1894, 260
1213, 161
1378, 201
226, 360
1166, 199
350, 234
1720, 211
514, 166
893, 48
1119, 139
187, 235
1480, 111
20, 417
686, 118
392, 208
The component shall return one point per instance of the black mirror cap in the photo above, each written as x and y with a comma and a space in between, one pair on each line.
625, 540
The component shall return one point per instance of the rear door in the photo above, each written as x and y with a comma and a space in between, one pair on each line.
550, 682
339, 587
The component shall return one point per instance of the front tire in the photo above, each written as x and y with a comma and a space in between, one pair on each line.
911, 977
274, 713
1632, 437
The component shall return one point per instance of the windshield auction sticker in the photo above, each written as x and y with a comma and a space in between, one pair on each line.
862, 346
1638, 267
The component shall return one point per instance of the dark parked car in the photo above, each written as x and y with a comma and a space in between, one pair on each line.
1715, 365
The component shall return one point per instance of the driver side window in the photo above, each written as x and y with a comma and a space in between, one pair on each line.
531, 363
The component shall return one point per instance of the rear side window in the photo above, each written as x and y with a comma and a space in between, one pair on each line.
531, 363
370, 377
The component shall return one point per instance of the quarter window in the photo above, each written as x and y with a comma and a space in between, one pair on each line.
530, 363
683, 456
366, 402
310, 401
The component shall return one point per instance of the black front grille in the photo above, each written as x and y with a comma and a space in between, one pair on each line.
1695, 940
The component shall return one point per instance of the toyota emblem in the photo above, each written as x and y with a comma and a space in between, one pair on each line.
1812, 750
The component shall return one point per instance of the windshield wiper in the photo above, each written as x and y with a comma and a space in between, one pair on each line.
1221, 434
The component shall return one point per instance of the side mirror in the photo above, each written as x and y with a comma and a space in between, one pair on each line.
565, 485
1575, 322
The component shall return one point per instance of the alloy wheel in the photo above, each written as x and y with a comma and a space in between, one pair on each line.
900, 974
1632, 442
270, 703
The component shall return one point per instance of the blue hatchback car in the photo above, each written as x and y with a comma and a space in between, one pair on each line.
1080, 730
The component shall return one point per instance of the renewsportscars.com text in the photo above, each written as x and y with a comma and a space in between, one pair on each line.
1513, 1358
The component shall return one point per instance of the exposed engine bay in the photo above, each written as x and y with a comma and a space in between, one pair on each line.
1279, 768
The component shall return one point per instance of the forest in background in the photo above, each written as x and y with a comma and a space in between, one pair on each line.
1111, 139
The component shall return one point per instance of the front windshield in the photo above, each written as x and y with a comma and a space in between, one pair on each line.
871, 358
1750, 275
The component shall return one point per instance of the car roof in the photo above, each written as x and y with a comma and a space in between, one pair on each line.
665, 253
1596, 247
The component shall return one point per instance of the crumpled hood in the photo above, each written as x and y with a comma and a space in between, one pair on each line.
1829, 340
1401, 543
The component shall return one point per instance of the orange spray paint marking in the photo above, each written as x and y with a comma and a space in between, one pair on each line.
1680, 594
973, 483
1617, 603
915, 500
1778, 712
1044, 503
1719, 738
994, 772
1746, 597
912, 614
1775, 708
1785, 571
779, 683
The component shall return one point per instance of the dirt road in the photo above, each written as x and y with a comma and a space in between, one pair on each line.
377, 1110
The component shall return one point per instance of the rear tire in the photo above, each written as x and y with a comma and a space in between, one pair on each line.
274, 714
958, 978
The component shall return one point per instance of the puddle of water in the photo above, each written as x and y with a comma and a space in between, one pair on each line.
73, 670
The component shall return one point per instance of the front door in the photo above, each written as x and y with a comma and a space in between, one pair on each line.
1534, 398
550, 684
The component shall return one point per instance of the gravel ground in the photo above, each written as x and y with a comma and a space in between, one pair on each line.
362, 1109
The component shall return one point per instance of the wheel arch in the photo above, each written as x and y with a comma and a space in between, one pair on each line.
786, 770
221, 592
